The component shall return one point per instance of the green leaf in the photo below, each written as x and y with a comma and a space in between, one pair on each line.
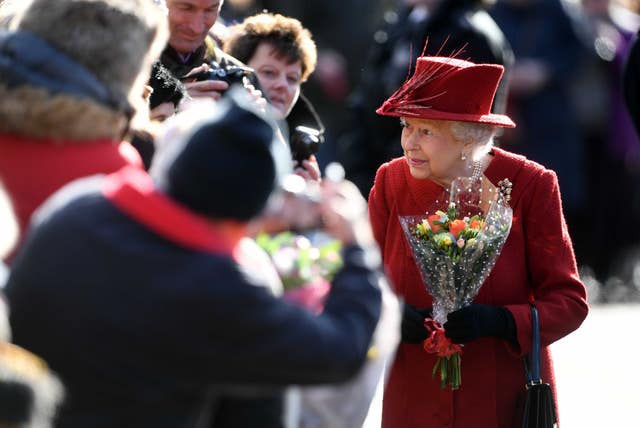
435, 368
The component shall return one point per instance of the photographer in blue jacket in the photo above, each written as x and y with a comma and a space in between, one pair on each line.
139, 293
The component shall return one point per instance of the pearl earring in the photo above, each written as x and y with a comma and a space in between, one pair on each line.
463, 156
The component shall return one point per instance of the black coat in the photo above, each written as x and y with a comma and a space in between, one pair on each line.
631, 83
148, 322
548, 131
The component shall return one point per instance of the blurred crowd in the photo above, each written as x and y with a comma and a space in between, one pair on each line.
291, 87
564, 60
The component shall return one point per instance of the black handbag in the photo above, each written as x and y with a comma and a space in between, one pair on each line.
539, 406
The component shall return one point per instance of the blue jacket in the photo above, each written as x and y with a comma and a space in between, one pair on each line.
147, 322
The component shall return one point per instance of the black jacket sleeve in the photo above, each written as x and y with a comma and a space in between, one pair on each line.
253, 337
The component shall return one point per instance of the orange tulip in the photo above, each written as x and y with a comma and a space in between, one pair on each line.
456, 227
432, 218
475, 224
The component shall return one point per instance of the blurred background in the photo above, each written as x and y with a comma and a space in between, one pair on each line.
565, 91
576, 123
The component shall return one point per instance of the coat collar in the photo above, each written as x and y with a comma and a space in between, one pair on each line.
132, 191
58, 117
424, 192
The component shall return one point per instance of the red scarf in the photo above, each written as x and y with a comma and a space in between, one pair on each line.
132, 191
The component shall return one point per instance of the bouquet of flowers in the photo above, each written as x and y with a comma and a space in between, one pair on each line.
455, 247
305, 268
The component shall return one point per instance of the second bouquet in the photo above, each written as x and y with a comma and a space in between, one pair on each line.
455, 247
305, 266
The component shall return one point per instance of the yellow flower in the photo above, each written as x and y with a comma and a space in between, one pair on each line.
423, 227
444, 240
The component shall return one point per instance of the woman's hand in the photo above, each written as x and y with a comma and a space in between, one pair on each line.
412, 326
256, 95
310, 169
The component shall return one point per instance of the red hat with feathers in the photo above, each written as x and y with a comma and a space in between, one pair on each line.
446, 88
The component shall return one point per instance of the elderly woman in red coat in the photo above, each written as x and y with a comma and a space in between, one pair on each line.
448, 130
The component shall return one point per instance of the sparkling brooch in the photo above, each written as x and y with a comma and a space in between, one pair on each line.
504, 187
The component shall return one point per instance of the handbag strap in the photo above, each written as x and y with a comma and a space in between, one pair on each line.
532, 362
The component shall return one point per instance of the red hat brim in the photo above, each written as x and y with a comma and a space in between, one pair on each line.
430, 113
447, 88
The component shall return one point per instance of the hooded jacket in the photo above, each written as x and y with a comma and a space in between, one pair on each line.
57, 123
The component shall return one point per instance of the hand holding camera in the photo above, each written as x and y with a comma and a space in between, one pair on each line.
213, 79
223, 71
335, 206
344, 213
203, 88
304, 143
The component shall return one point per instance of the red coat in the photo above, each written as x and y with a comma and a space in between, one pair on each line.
32, 169
537, 260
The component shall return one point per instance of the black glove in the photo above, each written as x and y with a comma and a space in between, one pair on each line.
475, 321
412, 327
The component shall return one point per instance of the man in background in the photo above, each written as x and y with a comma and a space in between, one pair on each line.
192, 49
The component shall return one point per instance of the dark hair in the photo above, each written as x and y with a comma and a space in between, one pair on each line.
166, 88
287, 35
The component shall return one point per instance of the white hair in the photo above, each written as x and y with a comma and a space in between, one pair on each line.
478, 135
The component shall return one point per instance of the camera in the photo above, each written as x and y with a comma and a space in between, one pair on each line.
295, 207
304, 142
230, 73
